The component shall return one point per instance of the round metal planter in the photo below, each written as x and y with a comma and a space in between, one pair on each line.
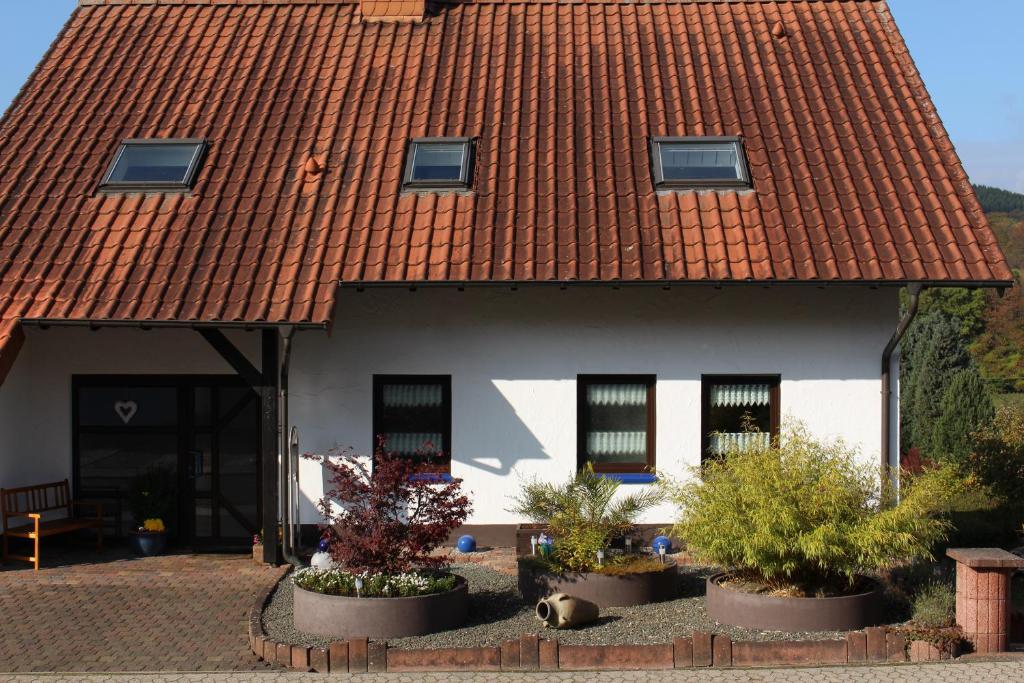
772, 613
344, 617
604, 590
148, 543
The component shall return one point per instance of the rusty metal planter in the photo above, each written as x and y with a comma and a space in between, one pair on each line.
604, 590
339, 616
772, 613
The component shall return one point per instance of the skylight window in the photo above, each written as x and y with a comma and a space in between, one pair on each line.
439, 163
699, 162
154, 165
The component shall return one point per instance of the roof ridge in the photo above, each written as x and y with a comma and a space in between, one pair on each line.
121, 3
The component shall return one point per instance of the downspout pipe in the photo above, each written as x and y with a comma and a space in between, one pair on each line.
285, 466
913, 301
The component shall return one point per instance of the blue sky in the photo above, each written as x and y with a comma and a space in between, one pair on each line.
968, 51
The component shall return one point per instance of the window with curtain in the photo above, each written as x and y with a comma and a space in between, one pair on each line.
615, 416
739, 411
413, 416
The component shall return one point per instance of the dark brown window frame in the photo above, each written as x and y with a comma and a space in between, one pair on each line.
201, 144
705, 402
446, 402
582, 381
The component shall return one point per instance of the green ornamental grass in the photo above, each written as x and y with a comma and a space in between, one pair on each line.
584, 514
808, 515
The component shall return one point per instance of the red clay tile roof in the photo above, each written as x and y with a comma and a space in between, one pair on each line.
855, 179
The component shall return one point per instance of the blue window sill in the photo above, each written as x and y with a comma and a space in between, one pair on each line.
431, 477
630, 477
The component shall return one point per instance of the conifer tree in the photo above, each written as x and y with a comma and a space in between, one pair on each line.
966, 407
936, 416
933, 351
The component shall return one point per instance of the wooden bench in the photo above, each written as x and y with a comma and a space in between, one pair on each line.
30, 502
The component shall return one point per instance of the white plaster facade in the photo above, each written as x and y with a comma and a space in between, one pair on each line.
35, 399
513, 357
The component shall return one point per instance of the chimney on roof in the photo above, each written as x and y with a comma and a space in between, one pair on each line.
392, 10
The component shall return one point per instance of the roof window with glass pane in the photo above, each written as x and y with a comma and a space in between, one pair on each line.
699, 163
154, 165
438, 164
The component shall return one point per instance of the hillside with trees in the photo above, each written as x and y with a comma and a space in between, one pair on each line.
995, 200
966, 340
962, 385
998, 342
989, 327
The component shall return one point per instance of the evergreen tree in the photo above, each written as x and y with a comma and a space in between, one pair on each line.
994, 199
933, 350
965, 408
943, 396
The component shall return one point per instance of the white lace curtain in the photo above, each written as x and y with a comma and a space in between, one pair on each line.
721, 443
409, 443
412, 395
729, 395
616, 444
617, 394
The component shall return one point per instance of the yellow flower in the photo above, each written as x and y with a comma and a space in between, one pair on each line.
154, 525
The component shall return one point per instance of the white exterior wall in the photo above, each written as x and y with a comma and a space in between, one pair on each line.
35, 400
514, 357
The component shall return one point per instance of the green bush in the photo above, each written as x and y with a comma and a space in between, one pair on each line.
935, 606
806, 515
993, 516
583, 515
998, 454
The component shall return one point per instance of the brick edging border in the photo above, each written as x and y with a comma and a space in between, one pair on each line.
531, 653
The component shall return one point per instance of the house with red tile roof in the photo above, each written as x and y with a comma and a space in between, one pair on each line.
523, 234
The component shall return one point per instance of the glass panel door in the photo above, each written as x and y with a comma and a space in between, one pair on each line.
224, 466
200, 434
126, 432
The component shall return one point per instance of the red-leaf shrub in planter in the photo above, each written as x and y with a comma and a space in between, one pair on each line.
387, 517
383, 520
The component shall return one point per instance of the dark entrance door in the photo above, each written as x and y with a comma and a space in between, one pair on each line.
199, 435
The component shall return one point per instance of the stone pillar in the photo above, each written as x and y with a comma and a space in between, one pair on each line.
983, 595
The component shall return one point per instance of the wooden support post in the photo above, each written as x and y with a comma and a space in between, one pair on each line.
268, 445
235, 358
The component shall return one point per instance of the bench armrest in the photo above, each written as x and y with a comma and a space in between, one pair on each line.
34, 516
30, 515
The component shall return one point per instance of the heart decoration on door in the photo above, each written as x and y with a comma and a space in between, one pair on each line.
126, 410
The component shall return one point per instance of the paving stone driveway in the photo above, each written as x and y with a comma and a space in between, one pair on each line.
113, 612
975, 672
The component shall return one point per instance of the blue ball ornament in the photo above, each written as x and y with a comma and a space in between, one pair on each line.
324, 545
466, 544
661, 542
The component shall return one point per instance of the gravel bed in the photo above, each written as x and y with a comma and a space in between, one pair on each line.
497, 613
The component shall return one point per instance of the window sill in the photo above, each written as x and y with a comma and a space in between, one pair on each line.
630, 477
438, 477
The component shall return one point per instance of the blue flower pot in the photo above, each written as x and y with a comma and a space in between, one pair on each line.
148, 544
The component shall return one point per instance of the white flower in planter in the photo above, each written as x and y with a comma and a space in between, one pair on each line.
322, 560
